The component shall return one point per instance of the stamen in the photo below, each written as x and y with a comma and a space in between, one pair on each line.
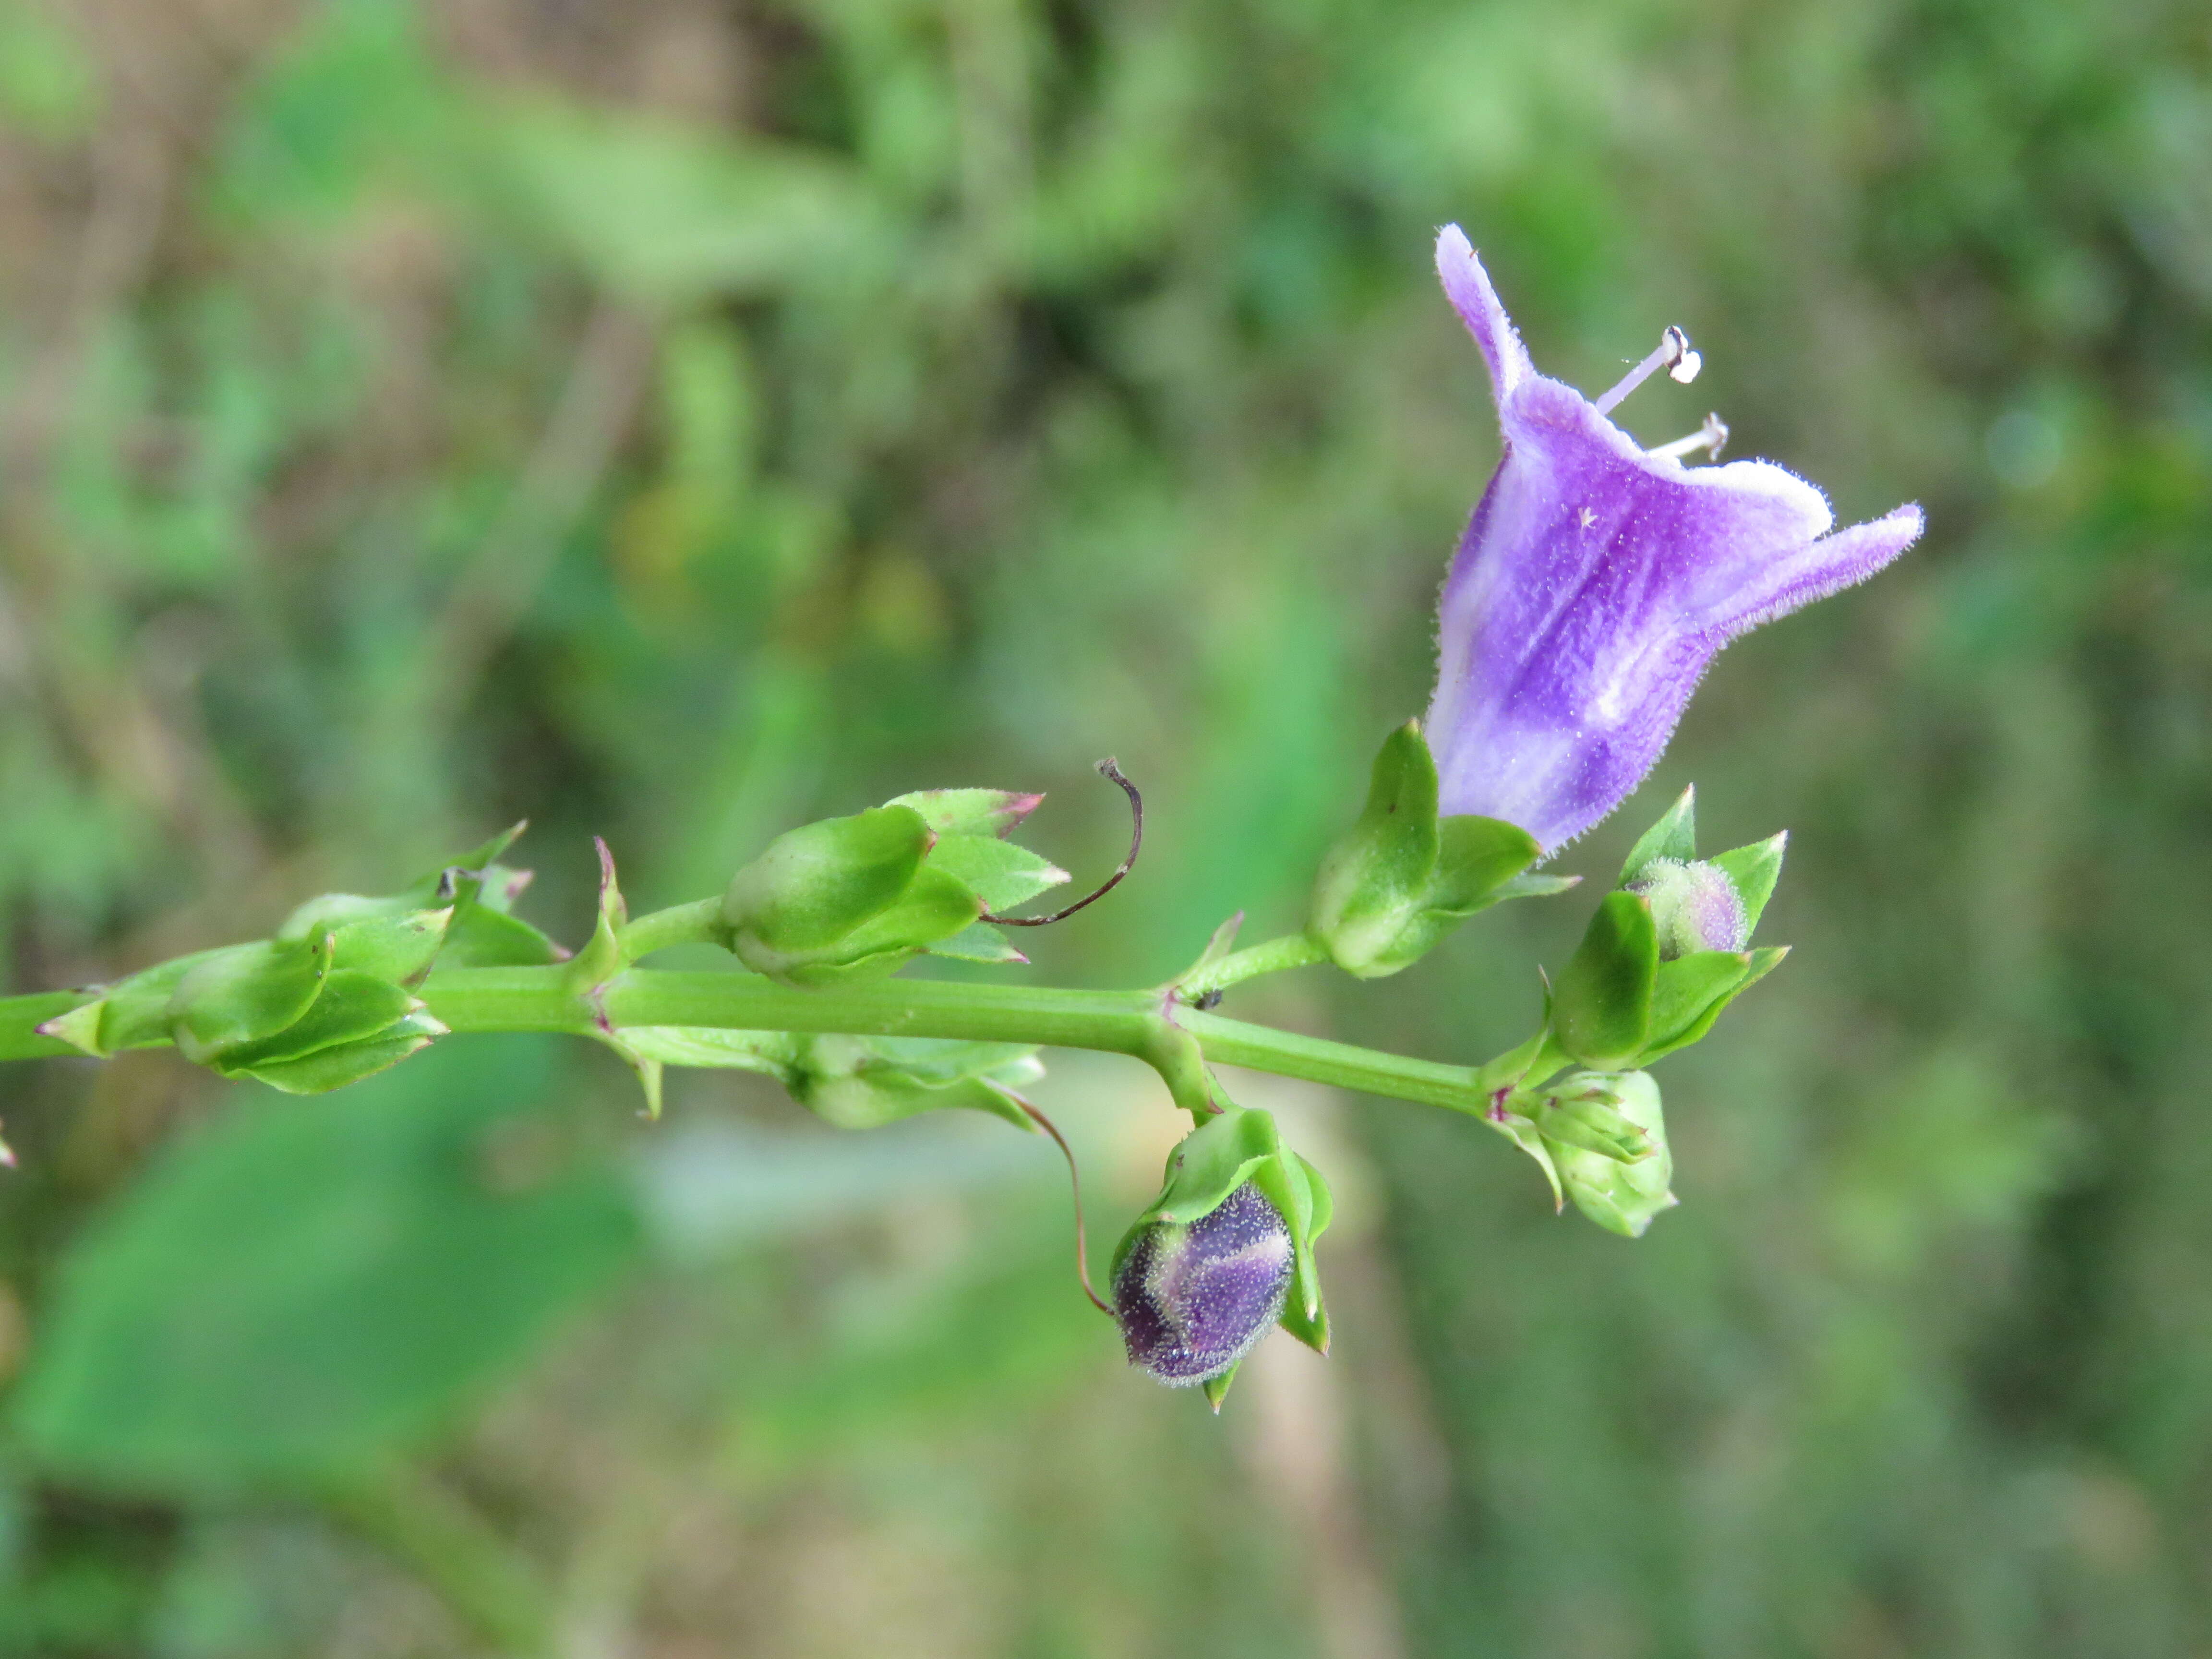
1712, 435
1674, 354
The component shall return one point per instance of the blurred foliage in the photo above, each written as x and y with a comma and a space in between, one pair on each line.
672, 419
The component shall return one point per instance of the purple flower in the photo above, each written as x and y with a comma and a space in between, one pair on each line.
1597, 579
1193, 1297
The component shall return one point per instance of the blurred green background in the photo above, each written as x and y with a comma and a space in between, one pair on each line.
672, 419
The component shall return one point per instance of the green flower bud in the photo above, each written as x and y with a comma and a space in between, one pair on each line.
846, 900
1608, 1140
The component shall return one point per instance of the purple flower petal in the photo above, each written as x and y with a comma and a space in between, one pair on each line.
1192, 1298
1596, 582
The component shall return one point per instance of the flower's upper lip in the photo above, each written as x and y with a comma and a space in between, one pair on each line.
1520, 394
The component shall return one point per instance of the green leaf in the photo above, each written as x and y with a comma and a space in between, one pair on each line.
1593, 1125
1296, 1190
1763, 962
999, 873
663, 210
1754, 869
1601, 1004
1675, 836
295, 1293
1211, 1161
970, 811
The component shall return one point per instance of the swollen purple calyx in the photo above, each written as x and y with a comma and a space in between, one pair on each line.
1597, 580
1193, 1297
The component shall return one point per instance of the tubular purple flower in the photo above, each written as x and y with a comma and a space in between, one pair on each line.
1597, 580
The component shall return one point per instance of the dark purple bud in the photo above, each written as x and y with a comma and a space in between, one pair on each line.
1193, 1297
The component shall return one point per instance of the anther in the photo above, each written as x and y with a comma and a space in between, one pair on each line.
1674, 355
1712, 436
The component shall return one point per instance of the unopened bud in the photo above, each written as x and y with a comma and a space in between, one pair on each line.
845, 900
1607, 1139
1195, 1298
1694, 906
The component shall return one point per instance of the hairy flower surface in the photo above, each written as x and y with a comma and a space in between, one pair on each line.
1193, 1297
1596, 580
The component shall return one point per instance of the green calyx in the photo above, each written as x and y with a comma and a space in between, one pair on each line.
1244, 1144
1600, 1140
863, 1083
848, 900
855, 1082
329, 1000
1403, 876
1664, 954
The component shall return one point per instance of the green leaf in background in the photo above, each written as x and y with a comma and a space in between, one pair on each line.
659, 210
301, 1290
48, 87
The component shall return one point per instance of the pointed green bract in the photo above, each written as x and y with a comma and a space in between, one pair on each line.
1216, 1389
1601, 1006
1754, 869
1688, 995
1001, 874
970, 811
1675, 836
978, 942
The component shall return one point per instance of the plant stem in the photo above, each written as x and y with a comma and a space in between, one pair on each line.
1272, 957
699, 922
489, 1585
1147, 1025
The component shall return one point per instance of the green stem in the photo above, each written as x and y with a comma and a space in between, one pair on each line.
1272, 957
1146, 1025
699, 922
489, 1586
